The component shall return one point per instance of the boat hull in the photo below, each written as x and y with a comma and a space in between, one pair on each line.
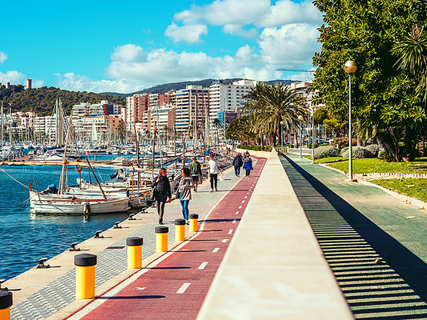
58, 207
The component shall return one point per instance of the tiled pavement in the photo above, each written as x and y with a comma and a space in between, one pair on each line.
111, 262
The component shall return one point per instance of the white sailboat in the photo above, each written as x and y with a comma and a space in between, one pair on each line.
61, 202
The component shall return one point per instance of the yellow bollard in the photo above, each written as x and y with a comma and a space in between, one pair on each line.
85, 275
5, 304
134, 252
179, 230
162, 239
193, 222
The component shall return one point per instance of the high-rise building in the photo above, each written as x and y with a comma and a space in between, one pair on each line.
192, 107
225, 98
136, 105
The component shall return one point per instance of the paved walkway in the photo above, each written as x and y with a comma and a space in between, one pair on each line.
375, 244
175, 286
59, 291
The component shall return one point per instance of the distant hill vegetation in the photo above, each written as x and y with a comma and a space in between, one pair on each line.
163, 88
42, 100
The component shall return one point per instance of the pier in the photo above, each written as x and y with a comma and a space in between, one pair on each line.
293, 241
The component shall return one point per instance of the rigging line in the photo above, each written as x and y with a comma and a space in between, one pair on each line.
1, 169
21, 203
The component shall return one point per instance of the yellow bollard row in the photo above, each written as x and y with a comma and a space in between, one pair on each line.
5, 304
179, 230
134, 252
193, 222
161, 238
85, 275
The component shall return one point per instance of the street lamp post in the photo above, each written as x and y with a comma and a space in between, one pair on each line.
300, 118
350, 67
312, 137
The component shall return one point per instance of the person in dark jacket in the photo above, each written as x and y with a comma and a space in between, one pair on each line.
162, 190
248, 164
237, 163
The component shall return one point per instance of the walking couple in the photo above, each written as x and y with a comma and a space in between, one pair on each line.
162, 190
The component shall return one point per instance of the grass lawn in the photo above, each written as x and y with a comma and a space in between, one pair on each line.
416, 188
330, 159
374, 165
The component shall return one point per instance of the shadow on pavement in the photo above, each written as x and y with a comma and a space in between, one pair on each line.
379, 277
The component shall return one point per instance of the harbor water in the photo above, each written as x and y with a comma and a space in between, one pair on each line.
25, 238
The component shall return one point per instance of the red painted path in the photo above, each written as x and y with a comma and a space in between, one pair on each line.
177, 286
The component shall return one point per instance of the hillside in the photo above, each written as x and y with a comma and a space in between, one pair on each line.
163, 88
42, 100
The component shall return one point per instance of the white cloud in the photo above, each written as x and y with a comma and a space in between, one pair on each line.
234, 15
292, 44
129, 53
189, 33
286, 11
73, 82
38, 83
14, 77
3, 57
237, 30
225, 12
164, 66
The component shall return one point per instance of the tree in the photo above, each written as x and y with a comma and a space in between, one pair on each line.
274, 106
383, 97
217, 124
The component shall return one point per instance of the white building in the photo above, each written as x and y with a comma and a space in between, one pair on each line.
227, 97
46, 127
192, 107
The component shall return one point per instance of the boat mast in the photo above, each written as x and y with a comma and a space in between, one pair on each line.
2, 125
64, 163
154, 146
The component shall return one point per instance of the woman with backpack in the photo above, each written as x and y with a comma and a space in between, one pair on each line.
247, 163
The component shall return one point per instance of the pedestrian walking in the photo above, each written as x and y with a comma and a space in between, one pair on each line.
247, 162
196, 173
213, 172
161, 191
184, 189
237, 163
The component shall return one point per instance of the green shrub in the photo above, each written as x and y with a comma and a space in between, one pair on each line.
385, 155
324, 144
291, 146
326, 152
374, 149
357, 152
315, 145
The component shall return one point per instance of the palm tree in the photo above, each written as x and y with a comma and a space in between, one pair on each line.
217, 124
273, 104
411, 54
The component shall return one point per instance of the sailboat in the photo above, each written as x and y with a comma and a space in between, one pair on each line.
53, 201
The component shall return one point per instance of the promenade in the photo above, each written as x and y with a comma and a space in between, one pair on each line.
293, 241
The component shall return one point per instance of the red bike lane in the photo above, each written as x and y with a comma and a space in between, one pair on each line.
175, 287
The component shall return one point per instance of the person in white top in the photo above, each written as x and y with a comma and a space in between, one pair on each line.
213, 172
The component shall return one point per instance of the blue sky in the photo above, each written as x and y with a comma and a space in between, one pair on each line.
125, 46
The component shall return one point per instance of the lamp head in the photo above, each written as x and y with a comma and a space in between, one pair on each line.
350, 66
300, 117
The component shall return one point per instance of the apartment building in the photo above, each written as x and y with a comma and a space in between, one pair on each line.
192, 107
85, 109
136, 105
225, 100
